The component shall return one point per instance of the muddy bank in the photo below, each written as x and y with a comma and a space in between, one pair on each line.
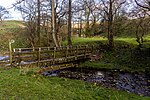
131, 82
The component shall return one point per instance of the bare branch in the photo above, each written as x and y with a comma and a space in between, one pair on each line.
119, 6
145, 7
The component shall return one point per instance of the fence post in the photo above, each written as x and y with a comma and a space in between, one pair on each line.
48, 48
92, 49
39, 57
33, 49
76, 53
85, 51
10, 51
19, 49
54, 55
67, 52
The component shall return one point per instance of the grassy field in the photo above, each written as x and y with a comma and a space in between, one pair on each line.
128, 40
16, 86
125, 56
11, 26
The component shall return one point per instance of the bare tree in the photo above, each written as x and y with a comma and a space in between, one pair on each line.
60, 20
140, 29
4, 13
39, 22
53, 23
31, 15
88, 6
110, 8
69, 24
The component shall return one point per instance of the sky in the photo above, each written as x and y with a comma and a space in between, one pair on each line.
14, 13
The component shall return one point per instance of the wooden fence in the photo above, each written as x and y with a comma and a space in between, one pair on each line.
44, 56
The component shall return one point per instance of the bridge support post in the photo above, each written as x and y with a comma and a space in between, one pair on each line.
85, 51
39, 57
92, 51
76, 55
54, 55
67, 53
10, 51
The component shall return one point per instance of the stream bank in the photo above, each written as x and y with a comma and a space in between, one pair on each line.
137, 83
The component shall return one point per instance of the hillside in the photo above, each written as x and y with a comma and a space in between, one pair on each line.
11, 29
9, 24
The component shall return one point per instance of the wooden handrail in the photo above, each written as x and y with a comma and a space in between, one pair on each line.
53, 55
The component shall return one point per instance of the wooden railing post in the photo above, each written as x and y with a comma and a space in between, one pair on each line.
92, 51
19, 50
19, 56
10, 53
14, 50
76, 53
33, 49
48, 48
54, 55
85, 51
39, 56
67, 52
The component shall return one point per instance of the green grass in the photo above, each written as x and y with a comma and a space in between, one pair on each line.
31, 86
112, 66
125, 55
9, 30
127, 40
80, 40
84, 41
11, 24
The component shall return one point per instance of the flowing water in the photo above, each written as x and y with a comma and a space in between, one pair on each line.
3, 57
4, 61
131, 82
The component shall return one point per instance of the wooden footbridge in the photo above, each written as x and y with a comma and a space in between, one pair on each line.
47, 56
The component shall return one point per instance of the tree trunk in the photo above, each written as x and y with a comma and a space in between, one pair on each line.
53, 24
110, 26
87, 23
80, 29
38, 24
69, 24
80, 24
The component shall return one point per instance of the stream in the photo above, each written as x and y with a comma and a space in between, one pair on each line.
4, 61
3, 57
137, 83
